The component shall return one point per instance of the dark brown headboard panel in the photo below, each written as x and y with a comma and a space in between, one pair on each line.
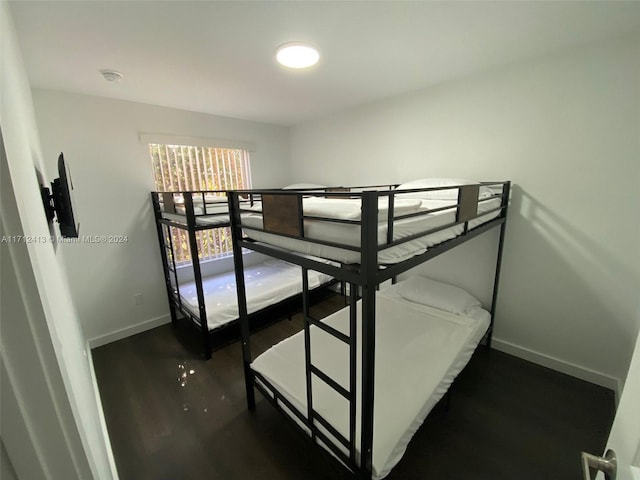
467, 203
282, 213
168, 203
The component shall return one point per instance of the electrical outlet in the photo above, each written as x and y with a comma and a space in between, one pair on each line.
137, 299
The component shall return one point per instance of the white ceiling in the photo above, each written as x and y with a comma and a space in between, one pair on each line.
218, 57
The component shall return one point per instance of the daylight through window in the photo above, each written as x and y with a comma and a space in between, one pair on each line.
179, 168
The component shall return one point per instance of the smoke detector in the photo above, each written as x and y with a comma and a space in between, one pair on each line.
111, 75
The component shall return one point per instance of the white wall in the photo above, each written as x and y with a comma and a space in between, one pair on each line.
6, 468
52, 424
566, 130
112, 175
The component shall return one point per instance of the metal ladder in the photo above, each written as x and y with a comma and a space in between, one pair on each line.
312, 370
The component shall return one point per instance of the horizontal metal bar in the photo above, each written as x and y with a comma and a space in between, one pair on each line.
343, 246
173, 223
273, 395
332, 430
394, 243
344, 458
329, 329
357, 191
314, 192
331, 382
203, 226
331, 220
424, 213
304, 261
397, 268
197, 227
425, 233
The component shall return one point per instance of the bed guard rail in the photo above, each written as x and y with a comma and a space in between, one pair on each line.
284, 213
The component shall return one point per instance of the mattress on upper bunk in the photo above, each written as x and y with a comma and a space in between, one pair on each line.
221, 218
419, 352
215, 211
349, 234
212, 214
266, 284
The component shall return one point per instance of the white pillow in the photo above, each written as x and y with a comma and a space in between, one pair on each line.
439, 295
448, 194
303, 186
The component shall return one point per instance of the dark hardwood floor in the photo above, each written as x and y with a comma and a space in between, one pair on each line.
173, 416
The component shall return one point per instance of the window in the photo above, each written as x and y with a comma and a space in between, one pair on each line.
178, 168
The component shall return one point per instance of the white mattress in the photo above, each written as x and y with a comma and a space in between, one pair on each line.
208, 209
266, 284
216, 214
350, 234
419, 352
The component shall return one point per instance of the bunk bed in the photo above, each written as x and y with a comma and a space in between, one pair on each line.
361, 381
270, 284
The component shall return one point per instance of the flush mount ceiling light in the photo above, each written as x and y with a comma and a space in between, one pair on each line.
111, 75
297, 55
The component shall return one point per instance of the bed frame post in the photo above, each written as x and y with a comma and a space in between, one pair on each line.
505, 204
197, 274
307, 349
368, 269
163, 254
353, 370
238, 263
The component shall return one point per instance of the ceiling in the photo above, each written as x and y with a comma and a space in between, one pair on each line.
218, 57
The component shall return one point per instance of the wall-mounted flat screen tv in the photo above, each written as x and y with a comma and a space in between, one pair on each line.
59, 202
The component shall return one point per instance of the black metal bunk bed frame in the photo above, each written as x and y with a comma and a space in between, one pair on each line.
363, 279
166, 202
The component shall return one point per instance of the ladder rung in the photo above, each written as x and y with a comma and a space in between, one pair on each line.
331, 382
347, 460
330, 330
332, 430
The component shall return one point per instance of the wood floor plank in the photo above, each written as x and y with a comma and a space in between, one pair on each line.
506, 418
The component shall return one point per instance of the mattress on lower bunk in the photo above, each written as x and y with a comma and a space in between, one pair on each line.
349, 234
266, 284
419, 352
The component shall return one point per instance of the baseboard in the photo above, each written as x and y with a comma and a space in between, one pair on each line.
113, 473
558, 365
128, 331
553, 363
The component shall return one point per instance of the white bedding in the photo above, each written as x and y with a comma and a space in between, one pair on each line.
212, 220
266, 284
419, 352
216, 213
208, 208
350, 234
350, 209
